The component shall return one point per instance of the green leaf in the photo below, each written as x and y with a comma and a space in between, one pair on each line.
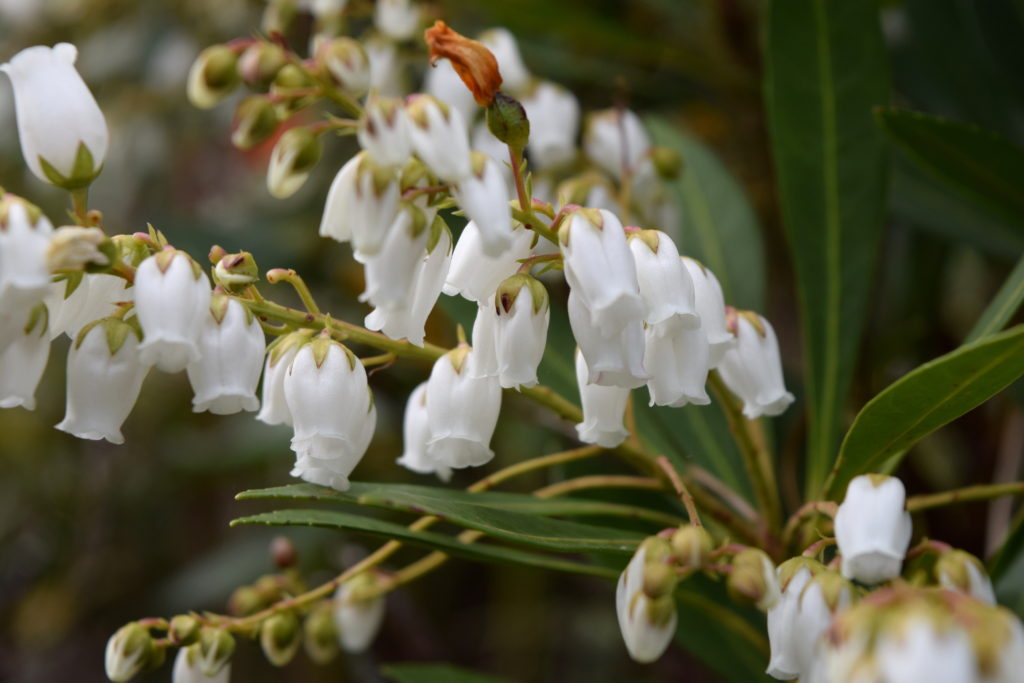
717, 216
924, 400
435, 673
526, 529
332, 519
1007, 301
514, 502
826, 69
977, 164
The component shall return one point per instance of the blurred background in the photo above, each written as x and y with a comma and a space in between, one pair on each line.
93, 535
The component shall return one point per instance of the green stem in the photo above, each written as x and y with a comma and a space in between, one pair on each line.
599, 481
756, 458
298, 284
80, 205
964, 495
681, 490
824, 507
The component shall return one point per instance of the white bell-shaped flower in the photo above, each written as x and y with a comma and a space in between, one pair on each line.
416, 434
521, 330
665, 284
463, 412
172, 298
617, 360
386, 76
873, 528
484, 359
753, 368
408, 320
604, 409
439, 137
231, 348
445, 84
105, 374
357, 620
515, 77
554, 115
362, 204
22, 361
710, 305
647, 628
794, 575
820, 600
94, 296
616, 141
332, 412
390, 271
274, 406
397, 19
474, 275
187, 668
599, 267
960, 571
678, 366
62, 131
384, 131
923, 650
484, 196
24, 238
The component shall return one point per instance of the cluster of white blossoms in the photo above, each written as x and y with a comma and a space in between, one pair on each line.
857, 618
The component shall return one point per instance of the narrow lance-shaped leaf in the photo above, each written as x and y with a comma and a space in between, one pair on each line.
924, 400
826, 69
1008, 300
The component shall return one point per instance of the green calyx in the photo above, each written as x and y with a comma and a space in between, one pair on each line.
510, 288
652, 238
166, 256
420, 104
115, 330
691, 546
83, 172
507, 121
282, 345
457, 357
592, 216
38, 320
437, 228
833, 586
789, 568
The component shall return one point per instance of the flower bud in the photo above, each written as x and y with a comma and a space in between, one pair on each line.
667, 162
73, 247
507, 121
62, 131
752, 369
128, 652
691, 546
320, 637
280, 637
283, 552
357, 613
186, 668
260, 63
439, 136
960, 571
753, 579
332, 410
873, 528
213, 76
172, 299
647, 625
255, 120
345, 62
236, 270
215, 648
246, 600
105, 374
184, 630
293, 157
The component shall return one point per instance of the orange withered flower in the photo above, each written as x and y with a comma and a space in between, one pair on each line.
474, 63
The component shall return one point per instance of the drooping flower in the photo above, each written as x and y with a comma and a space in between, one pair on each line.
357, 618
231, 348
77, 301
484, 196
384, 131
332, 412
484, 359
647, 623
172, 296
961, 571
62, 131
439, 137
613, 361
604, 409
753, 368
23, 360
521, 330
664, 282
416, 434
105, 374
390, 271
678, 367
873, 528
476, 276
274, 407
471, 59
187, 669
345, 61
24, 239
462, 410
554, 115
616, 141
825, 595
600, 269
794, 574
385, 68
710, 304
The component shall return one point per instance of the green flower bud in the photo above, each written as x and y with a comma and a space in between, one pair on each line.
280, 636
260, 64
506, 119
245, 600
255, 120
216, 646
320, 636
753, 579
213, 76
128, 652
659, 579
667, 162
234, 271
691, 546
184, 630
294, 156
